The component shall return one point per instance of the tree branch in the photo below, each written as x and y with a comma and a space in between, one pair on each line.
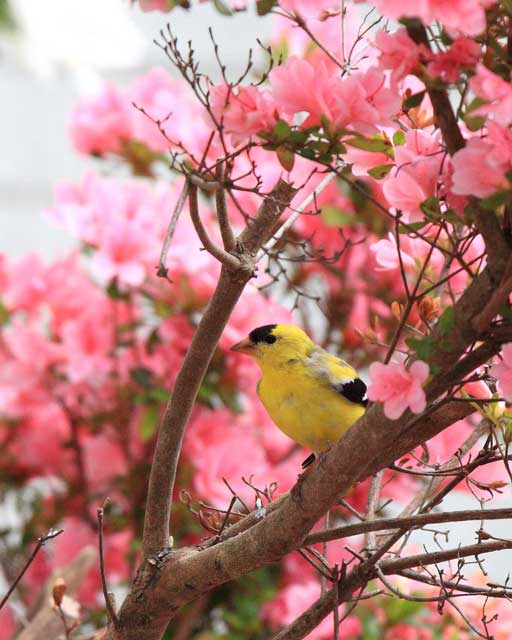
225, 258
226, 231
407, 523
423, 559
177, 412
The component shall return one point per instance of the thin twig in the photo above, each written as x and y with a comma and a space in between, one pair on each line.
383, 524
222, 256
290, 221
108, 602
161, 268
41, 541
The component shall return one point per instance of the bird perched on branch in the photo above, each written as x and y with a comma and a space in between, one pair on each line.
310, 394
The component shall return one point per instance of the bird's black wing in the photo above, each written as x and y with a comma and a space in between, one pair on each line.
353, 390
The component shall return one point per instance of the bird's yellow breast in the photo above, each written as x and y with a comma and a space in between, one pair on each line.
307, 410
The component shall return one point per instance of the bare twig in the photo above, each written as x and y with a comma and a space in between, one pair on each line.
302, 206
423, 559
162, 269
385, 524
41, 541
222, 256
108, 601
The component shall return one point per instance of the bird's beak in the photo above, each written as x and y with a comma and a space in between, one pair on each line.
244, 346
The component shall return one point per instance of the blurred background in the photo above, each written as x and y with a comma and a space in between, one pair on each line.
51, 52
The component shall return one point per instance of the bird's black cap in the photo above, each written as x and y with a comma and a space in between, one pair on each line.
261, 333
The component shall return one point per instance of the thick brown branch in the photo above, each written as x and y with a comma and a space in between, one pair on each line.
177, 412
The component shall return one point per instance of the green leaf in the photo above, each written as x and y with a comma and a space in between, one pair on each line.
369, 144
399, 138
413, 101
412, 226
431, 208
507, 4
115, 293
380, 171
265, 6
505, 311
446, 321
286, 158
308, 153
422, 347
497, 199
451, 216
4, 314
143, 377
281, 130
149, 422
153, 340
162, 309
474, 123
334, 217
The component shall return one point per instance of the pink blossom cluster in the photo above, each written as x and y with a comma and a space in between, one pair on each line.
155, 111
458, 16
481, 167
360, 102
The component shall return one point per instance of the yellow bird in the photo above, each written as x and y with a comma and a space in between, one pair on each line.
310, 394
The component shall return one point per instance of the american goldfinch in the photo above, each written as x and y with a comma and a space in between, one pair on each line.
310, 394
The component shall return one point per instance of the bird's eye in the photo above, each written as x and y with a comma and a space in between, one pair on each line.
270, 339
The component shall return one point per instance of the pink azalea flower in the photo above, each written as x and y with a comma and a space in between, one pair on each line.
39, 447
7, 623
386, 253
293, 599
398, 388
447, 65
479, 169
167, 100
210, 441
405, 631
101, 123
362, 101
88, 342
502, 371
418, 164
30, 346
309, 8
24, 286
464, 16
103, 457
496, 91
399, 53
125, 253
244, 113
70, 290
